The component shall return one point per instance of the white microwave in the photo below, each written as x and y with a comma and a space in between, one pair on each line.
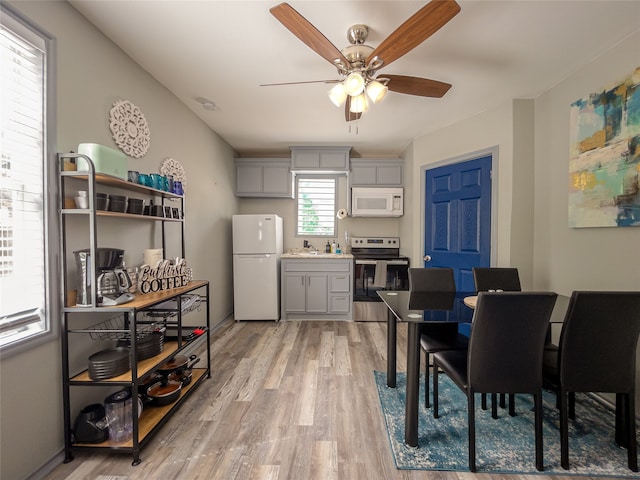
376, 202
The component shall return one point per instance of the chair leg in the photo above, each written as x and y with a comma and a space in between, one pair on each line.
494, 405
564, 430
435, 390
512, 405
537, 398
503, 401
483, 401
426, 380
572, 405
632, 449
471, 415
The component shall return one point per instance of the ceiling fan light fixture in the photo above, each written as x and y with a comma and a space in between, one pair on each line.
354, 84
338, 95
359, 104
376, 91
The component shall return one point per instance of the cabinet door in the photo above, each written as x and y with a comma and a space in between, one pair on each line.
376, 172
333, 160
248, 179
317, 293
363, 175
263, 177
320, 159
390, 175
306, 159
277, 180
294, 288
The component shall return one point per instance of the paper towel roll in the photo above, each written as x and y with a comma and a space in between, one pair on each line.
342, 213
152, 256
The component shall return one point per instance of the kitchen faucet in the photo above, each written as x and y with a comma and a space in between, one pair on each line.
306, 244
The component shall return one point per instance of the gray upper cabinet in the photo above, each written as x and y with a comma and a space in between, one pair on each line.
377, 172
320, 159
264, 177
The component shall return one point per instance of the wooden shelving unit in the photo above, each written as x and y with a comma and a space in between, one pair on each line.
133, 315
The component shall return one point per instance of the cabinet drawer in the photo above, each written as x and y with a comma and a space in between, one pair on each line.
340, 304
340, 283
316, 265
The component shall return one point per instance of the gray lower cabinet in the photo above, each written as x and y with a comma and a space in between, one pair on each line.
263, 177
317, 288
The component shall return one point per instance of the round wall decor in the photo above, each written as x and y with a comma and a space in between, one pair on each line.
129, 128
173, 167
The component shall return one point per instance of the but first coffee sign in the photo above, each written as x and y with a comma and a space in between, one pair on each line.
163, 276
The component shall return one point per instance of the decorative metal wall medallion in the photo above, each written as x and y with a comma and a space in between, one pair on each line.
173, 167
130, 129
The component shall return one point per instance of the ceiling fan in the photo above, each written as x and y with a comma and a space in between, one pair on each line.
358, 64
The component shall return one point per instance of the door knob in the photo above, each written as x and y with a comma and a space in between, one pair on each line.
427, 258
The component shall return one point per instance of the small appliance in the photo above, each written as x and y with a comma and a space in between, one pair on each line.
112, 279
91, 425
376, 202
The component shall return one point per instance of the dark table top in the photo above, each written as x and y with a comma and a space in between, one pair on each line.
438, 307
442, 307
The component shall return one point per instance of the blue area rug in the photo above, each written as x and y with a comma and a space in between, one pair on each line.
503, 445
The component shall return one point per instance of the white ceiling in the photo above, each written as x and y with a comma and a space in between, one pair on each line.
491, 51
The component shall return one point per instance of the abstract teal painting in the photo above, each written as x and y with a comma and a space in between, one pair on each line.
604, 161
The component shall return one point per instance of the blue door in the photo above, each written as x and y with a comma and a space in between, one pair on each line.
458, 218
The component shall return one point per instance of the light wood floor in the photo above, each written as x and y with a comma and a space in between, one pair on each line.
286, 401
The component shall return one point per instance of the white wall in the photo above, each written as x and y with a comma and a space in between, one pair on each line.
92, 74
484, 132
566, 258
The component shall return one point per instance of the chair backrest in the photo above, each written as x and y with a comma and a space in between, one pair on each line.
507, 341
598, 342
496, 278
431, 280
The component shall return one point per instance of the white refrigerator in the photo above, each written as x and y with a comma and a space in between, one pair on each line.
257, 247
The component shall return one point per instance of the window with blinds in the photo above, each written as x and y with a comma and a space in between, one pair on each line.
23, 249
316, 206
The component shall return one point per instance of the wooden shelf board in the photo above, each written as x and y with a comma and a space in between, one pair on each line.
151, 416
145, 300
144, 366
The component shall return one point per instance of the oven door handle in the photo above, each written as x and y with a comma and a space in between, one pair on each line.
389, 262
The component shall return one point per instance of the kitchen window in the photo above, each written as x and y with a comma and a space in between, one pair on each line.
316, 206
28, 220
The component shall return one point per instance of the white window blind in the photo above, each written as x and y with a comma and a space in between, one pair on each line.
22, 184
316, 211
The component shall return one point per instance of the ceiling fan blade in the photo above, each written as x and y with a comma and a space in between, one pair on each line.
417, 86
305, 31
350, 116
297, 83
420, 26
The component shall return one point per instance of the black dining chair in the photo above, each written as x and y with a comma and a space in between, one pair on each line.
597, 353
505, 356
435, 337
506, 279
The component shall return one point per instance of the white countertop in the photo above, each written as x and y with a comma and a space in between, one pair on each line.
319, 255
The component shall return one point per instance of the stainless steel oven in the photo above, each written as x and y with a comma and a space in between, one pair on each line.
378, 266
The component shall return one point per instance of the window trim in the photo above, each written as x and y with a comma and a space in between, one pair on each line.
315, 176
53, 296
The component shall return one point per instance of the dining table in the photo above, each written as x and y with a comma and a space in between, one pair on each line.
420, 308
417, 309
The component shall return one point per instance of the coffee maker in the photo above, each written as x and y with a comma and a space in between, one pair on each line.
112, 279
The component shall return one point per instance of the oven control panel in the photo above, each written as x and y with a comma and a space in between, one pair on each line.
375, 242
